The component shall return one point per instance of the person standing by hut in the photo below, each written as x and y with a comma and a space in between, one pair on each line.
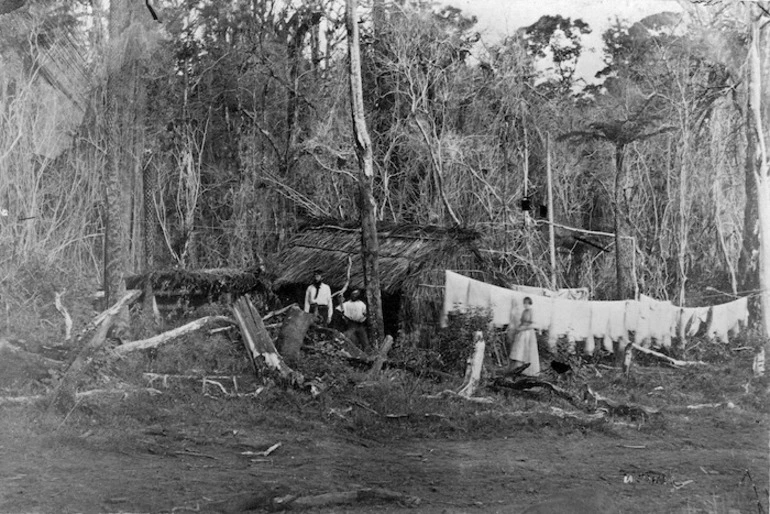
354, 313
318, 299
524, 348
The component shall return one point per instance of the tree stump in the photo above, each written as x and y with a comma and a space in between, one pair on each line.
292, 334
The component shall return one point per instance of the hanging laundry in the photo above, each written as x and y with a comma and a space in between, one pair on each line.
600, 319
661, 319
479, 295
463, 293
637, 321
648, 319
692, 319
608, 322
727, 319
578, 293
455, 294
579, 315
570, 319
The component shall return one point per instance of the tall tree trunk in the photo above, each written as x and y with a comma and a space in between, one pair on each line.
748, 271
762, 168
124, 118
624, 243
369, 242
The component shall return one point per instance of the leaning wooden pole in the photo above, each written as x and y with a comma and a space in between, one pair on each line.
368, 206
551, 236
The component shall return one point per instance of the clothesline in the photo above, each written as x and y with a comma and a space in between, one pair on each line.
652, 322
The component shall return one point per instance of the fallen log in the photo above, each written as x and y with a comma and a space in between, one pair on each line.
666, 358
130, 296
165, 337
292, 333
63, 396
258, 343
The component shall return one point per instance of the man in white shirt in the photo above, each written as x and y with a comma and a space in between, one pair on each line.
318, 299
354, 312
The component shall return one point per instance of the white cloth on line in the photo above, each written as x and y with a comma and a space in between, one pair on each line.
576, 293
692, 319
463, 293
727, 319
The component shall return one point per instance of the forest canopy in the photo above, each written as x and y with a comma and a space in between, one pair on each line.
209, 132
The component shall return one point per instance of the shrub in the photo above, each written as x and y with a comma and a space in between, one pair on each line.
455, 342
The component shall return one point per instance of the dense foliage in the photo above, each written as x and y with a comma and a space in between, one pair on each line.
240, 126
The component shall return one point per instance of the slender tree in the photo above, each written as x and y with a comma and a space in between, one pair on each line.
758, 58
368, 206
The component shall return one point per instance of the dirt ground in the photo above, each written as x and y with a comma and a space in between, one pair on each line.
176, 466
179, 450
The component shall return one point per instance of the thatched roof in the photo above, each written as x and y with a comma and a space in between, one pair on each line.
410, 256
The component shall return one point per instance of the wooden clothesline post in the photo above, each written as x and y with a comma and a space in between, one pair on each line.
551, 236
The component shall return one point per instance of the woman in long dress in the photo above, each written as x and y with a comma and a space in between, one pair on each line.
524, 347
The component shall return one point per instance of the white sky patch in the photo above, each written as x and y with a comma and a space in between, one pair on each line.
499, 18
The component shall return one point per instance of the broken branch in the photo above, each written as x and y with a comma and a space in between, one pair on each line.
666, 358
165, 337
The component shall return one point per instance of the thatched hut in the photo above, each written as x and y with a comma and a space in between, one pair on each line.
412, 264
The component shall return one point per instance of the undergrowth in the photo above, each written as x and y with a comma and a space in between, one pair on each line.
400, 403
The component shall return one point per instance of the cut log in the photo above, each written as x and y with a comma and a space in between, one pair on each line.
666, 358
165, 337
258, 343
475, 364
382, 356
292, 334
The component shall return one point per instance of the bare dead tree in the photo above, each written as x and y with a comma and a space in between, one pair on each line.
369, 241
